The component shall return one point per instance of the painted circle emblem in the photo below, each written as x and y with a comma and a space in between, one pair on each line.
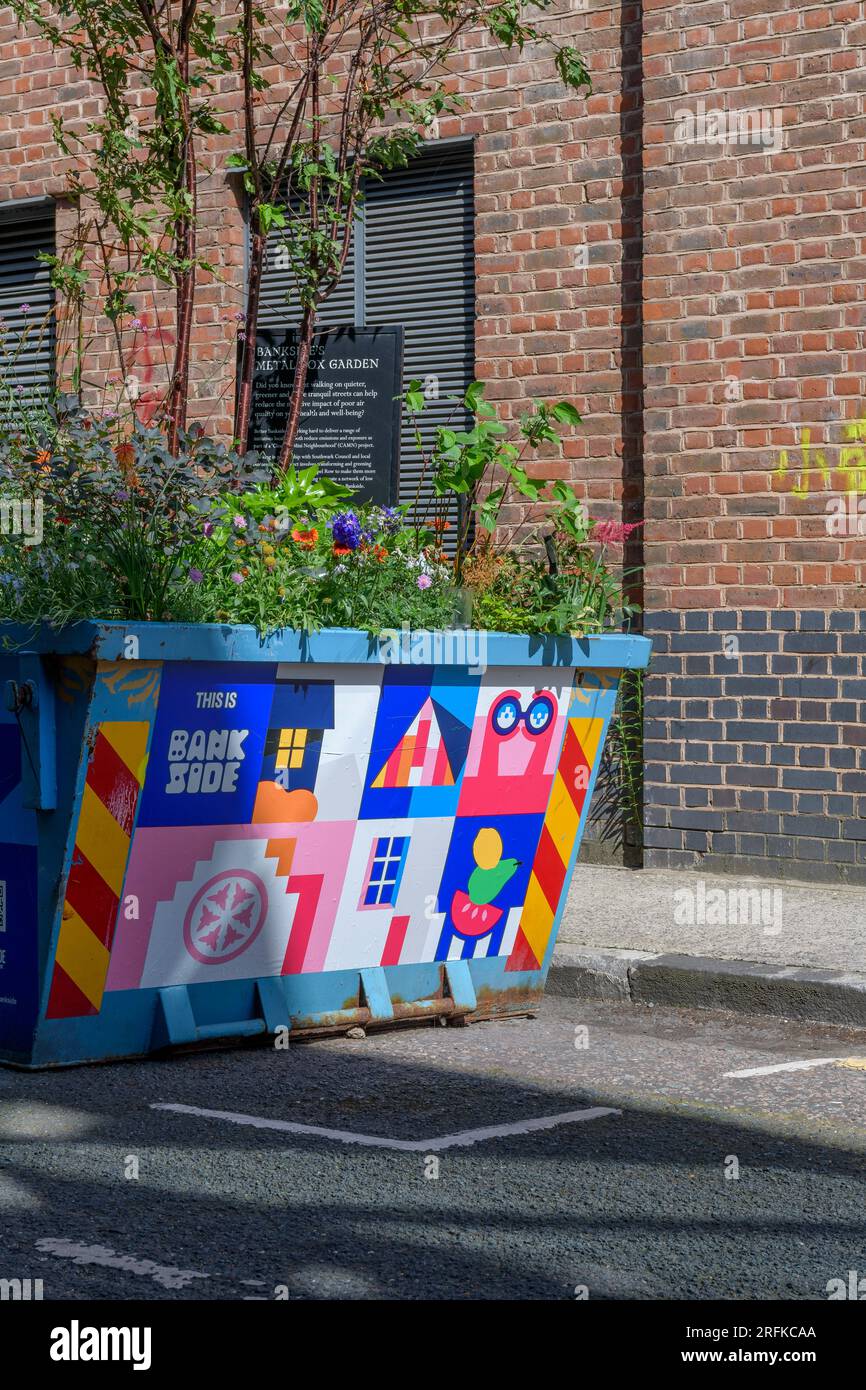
539, 714
506, 714
225, 917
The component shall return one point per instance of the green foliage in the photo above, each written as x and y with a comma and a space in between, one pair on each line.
133, 532
489, 469
276, 573
297, 492
122, 517
617, 811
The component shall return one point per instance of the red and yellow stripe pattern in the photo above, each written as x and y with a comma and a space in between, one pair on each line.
558, 836
95, 883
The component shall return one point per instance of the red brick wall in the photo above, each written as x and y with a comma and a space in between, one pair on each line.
548, 192
753, 303
704, 305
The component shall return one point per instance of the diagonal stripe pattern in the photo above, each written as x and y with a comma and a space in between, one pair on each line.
95, 883
558, 837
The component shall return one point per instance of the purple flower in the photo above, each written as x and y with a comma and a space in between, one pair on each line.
207, 529
237, 577
391, 519
24, 308
242, 337
195, 576
239, 523
424, 581
240, 318
138, 325
346, 531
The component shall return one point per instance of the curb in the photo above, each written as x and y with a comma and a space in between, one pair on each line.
699, 982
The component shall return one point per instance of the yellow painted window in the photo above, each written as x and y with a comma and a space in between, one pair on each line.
291, 748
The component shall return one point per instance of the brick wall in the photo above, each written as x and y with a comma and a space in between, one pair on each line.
703, 304
754, 349
756, 742
548, 194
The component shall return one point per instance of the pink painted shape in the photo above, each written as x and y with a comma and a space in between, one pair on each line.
440, 772
324, 849
309, 890
394, 943
421, 743
392, 767
162, 858
555, 748
513, 772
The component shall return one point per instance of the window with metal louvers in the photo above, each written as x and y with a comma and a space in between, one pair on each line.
412, 263
26, 300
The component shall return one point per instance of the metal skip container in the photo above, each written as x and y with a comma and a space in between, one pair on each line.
208, 835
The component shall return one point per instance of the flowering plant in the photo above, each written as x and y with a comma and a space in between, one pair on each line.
131, 531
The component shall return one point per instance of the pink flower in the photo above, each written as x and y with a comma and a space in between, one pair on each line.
614, 532
424, 581
239, 523
237, 577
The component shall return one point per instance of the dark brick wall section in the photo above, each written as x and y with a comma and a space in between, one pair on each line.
756, 743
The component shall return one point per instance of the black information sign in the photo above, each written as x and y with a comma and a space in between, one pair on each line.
350, 418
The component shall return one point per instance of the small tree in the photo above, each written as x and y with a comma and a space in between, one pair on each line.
136, 163
371, 79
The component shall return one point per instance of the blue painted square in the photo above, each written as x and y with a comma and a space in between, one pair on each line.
208, 744
19, 964
443, 697
519, 837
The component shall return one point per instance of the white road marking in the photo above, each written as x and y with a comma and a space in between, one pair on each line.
377, 1141
789, 1066
167, 1275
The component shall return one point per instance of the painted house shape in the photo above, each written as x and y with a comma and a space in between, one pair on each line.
420, 759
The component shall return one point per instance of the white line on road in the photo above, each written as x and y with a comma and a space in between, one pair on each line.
788, 1066
166, 1275
377, 1141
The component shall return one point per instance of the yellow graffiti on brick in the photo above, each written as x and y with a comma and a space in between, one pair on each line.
848, 474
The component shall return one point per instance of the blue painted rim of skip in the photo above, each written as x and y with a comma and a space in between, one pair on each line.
341, 646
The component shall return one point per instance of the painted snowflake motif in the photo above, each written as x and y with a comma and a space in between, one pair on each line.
225, 917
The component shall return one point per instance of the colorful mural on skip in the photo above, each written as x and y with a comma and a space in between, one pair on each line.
208, 835
260, 820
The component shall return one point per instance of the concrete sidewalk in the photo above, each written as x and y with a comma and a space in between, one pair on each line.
757, 946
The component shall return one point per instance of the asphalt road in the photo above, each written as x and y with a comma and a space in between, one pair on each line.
634, 1204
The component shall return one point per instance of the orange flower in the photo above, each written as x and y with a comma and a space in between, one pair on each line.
342, 550
381, 553
307, 539
44, 456
440, 524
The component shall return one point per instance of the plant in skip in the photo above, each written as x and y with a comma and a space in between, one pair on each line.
371, 78
486, 468
123, 530
349, 568
135, 166
523, 579
617, 811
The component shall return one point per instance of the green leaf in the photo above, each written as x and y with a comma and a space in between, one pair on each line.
567, 414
